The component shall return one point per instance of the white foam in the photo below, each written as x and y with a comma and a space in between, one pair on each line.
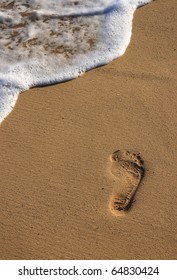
49, 41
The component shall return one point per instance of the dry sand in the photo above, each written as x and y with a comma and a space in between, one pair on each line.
57, 172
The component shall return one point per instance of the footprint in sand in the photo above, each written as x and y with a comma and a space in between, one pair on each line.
128, 169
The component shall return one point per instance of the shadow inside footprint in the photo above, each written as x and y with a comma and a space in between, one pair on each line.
129, 169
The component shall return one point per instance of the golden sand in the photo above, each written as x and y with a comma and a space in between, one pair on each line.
56, 177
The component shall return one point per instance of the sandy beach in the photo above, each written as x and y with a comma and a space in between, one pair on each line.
58, 170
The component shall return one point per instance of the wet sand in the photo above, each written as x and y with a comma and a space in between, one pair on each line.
58, 166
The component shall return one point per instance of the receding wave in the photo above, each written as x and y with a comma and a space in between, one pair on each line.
49, 41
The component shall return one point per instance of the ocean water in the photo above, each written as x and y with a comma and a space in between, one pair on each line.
50, 41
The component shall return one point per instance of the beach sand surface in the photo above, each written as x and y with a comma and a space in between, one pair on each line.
57, 174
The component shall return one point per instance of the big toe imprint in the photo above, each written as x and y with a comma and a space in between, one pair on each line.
128, 168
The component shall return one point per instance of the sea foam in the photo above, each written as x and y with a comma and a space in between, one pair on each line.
49, 41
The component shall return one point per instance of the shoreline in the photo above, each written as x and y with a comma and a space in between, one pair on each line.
56, 150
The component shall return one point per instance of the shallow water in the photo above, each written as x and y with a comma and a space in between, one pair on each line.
48, 41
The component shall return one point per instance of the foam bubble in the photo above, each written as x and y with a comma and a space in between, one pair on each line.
49, 41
